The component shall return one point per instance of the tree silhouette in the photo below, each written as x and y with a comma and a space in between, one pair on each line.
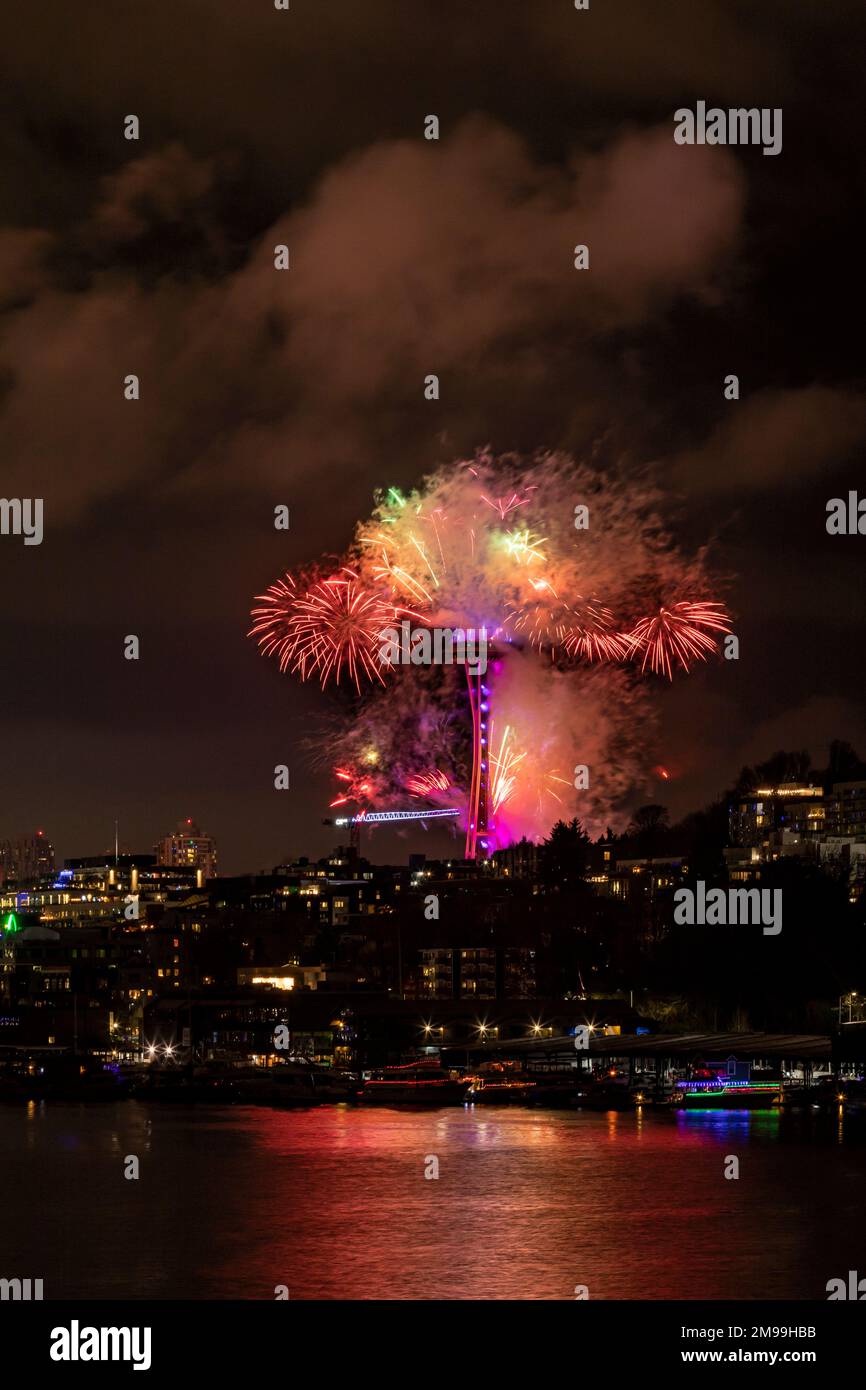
780, 767
649, 829
844, 764
564, 856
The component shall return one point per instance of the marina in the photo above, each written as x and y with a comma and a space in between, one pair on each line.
614, 1072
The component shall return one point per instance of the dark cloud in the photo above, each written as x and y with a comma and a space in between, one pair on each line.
408, 257
777, 439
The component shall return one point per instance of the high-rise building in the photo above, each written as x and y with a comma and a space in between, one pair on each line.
846, 810
188, 847
800, 810
26, 858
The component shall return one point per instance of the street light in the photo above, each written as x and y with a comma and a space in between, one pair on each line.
849, 997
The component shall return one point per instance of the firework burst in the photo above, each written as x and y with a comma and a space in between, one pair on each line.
541, 619
494, 545
428, 783
593, 638
679, 634
356, 786
504, 762
330, 629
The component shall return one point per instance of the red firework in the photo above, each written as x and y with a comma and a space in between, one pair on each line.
586, 631
426, 783
329, 630
679, 633
355, 787
592, 635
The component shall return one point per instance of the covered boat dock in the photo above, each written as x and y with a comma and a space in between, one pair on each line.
666, 1050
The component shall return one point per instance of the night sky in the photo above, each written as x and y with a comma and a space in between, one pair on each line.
408, 257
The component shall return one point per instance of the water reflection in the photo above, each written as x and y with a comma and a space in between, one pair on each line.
335, 1204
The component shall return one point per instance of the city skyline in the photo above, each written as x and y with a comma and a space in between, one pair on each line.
851, 772
433, 849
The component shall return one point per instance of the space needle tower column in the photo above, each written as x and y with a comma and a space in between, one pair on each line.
478, 826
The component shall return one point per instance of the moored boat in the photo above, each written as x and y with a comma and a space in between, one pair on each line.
728, 1085
294, 1083
826, 1094
605, 1093
852, 1094
721, 1096
415, 1083
556, 1090
500, 1083
63, 1077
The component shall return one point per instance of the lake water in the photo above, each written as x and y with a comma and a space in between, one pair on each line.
333, 1203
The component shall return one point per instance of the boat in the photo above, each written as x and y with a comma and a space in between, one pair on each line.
562, 1090
852, 1094
728, 1085
414, 1083
706, 1095
63, 1077
826, 1094
295, 1082
181, 1085
607, 1093
500, 1083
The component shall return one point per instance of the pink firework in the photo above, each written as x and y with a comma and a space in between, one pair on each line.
331, 629
428, 783
505, 505
494, 545
679, 633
